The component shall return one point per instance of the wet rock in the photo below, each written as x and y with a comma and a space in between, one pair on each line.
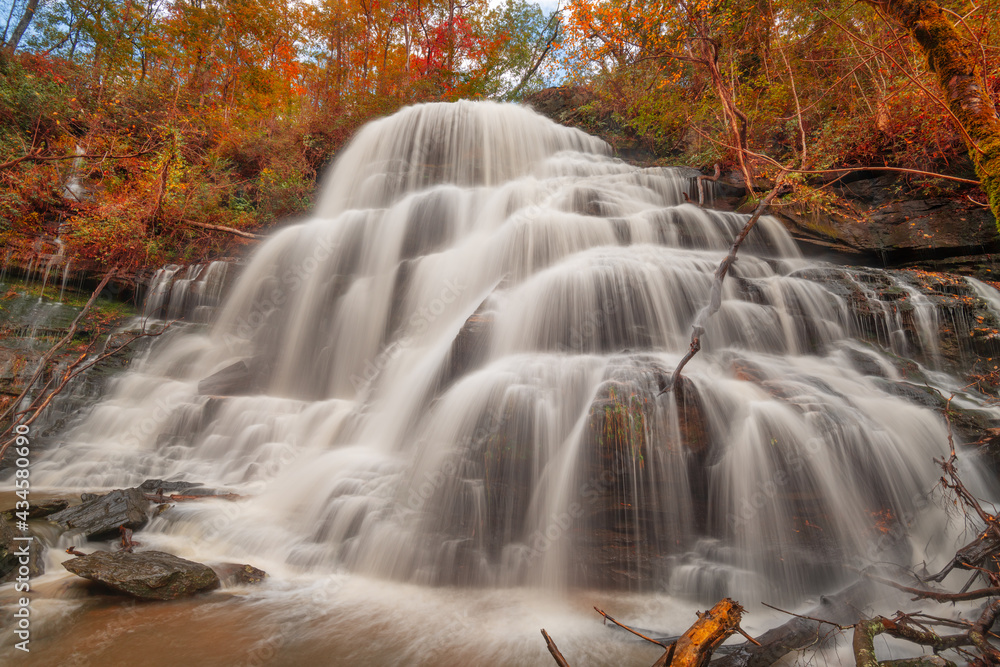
148, 575
880, 223
934, 318
969, 425
39, 510
16, 368
11, 552
988, 447
638, 444
153, 486
866, 364
233, 380
471, 345
101, 517
236, 574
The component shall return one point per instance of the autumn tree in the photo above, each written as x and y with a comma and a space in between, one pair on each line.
828, 82
959, 72
14, 31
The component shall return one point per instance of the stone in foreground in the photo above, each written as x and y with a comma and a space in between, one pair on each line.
37, 510
102, 516
148, 575
12, 551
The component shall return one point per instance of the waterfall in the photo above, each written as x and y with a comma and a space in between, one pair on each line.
451, 374
189, 293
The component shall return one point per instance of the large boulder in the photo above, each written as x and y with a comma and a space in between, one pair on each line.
101, 517
148, 575
637, 442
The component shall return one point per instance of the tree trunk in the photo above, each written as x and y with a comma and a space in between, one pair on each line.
960, 78
22, 25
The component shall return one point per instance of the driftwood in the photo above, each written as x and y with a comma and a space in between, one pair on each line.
695, 647
554, 650
866, 631
692, 649
940, 596
126, 539
833, 612
904, 626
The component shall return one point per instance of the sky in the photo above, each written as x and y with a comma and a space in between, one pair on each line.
547, 6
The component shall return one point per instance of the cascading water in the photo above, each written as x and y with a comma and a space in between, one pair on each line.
190, 294
451, 375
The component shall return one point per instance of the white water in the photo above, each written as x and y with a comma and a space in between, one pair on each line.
387, 437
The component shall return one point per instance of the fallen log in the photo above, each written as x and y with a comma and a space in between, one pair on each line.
696, 646
221, 228
836, 610
692, 649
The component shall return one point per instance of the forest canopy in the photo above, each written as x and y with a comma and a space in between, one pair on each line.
179, 117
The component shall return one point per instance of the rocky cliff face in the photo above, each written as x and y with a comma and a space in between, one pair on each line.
881, 223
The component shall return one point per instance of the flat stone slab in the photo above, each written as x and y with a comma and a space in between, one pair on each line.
101, 517
148, 575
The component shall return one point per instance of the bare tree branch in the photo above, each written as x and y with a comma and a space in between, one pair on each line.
221, 228
36, 157
715, 300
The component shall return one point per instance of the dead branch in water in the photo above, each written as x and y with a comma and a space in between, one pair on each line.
715, 299
126, 539
608, 617
554, 650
